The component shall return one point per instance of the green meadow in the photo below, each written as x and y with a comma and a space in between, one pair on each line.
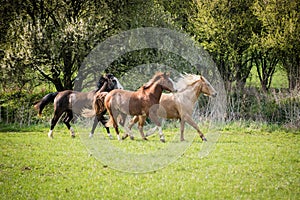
247, 161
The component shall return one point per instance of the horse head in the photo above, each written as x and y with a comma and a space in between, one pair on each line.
164, 80
207, 88
108, 83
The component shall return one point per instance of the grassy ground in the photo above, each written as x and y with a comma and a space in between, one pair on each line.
249, 161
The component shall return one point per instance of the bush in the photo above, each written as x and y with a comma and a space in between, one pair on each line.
17, 107
275, 106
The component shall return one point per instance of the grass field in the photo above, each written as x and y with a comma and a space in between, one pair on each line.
248, 161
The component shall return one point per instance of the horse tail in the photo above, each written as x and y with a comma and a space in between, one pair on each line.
45, 101
98, 105
111, 122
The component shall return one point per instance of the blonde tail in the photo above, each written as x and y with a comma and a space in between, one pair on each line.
88, 113
111, 122
98, 105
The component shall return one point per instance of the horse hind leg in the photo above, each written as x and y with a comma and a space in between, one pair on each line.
67, 120
141, 123
95, 123
112, 121
54, 121
128, 131
103, 121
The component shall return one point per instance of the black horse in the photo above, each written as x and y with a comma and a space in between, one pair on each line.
72, 102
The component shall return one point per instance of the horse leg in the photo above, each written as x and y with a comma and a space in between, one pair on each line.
112, 120
191, 122
151, 132
182, 122
117, 131
103, 122
95, 123
134, 120
128, 132
141, 123
54, 120
154, 119
67, 120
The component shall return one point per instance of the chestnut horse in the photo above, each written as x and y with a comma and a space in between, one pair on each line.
180, 105
143, 103
72, 102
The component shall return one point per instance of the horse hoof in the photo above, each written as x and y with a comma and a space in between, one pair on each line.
145, 138
131, 137
204, 139
163, 140
73, 136
91, 135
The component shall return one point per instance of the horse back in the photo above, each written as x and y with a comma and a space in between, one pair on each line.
128, 102
168, 107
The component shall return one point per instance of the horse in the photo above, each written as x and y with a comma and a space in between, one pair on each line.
143, 103
180, 105
72, 102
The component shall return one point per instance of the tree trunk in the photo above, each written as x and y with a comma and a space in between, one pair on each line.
293, 71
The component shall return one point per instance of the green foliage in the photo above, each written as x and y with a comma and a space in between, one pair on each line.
16, 107
276, 107
249, 161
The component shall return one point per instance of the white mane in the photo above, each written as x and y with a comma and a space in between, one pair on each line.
186, 80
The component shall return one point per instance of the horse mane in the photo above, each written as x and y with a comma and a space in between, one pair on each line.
101, 81
152, 80
186, 80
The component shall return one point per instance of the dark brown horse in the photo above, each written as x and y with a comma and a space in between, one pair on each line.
180, 105
143, 103
72, 102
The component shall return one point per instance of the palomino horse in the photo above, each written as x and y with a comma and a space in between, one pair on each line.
180, 105
72, 102
143, 103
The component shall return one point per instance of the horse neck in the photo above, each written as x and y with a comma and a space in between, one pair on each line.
155, 90
192, 92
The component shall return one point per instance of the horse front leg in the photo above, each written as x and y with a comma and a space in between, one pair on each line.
156, 121
191, 122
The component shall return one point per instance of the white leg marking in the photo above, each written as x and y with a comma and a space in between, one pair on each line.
72, 132
50, 134
161, 135
110, 136
151, 132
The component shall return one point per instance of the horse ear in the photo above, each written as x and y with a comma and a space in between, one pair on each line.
202, 78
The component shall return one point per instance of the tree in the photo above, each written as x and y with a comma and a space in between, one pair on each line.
281, 31
53, 37
225, 29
